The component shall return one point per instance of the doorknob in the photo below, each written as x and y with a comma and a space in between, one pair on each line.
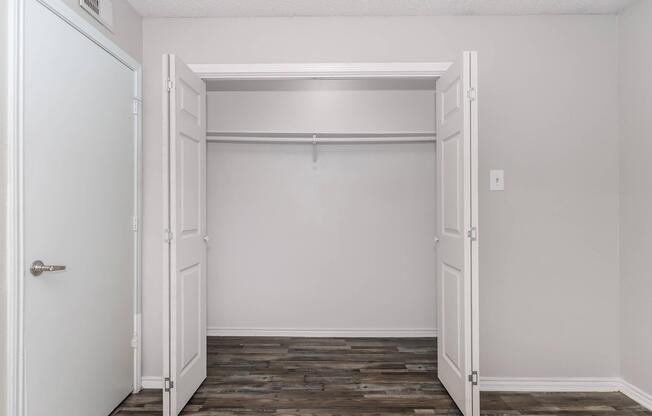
38, 267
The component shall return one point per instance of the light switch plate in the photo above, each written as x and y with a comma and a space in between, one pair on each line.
497, 180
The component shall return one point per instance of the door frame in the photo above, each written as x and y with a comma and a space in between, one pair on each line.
277, 71
320, 70
15, 270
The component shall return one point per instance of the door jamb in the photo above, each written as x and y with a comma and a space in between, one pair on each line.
287, 71
15, 269
321, 70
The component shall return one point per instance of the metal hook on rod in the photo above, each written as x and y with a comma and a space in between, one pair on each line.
314, 148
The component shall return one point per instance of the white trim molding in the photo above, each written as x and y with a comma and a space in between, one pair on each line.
529, 384
322, 332
544, 384
12, 383
320, 70
152, 382
567, 384
636, 394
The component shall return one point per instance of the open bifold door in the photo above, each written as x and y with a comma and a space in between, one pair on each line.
457, 264
185, 282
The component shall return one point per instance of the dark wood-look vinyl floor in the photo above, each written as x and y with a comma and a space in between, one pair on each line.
253, 376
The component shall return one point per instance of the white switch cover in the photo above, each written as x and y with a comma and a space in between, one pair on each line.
497, 180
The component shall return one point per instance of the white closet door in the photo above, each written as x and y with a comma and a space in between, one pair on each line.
187, 214
79, 179
457, 272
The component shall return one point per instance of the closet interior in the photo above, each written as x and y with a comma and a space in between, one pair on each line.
321, 207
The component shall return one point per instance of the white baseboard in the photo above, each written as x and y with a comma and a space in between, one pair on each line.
524, 384
323, 332
636, 394
570, 384
150, 382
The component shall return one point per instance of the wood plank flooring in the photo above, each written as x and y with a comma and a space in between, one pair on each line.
253, 376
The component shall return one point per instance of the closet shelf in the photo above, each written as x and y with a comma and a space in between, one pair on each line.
298, 137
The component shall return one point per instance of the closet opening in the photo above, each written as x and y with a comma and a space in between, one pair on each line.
321, 208
305, 222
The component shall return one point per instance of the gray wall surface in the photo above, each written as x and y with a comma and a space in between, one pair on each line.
128, 29
636, 194
548, 116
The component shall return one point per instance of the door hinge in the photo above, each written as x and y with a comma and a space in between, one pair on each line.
169, 84
134, 341
168, 384
473, 378
135, 104
471, 94
134, 223
473, 233
168, 236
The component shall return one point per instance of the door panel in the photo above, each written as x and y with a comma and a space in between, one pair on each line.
190, 294
186, 355
451, 181
190, 175
457, 216
450, 286
79, 187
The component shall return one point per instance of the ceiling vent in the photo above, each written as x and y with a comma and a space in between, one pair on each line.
101, 10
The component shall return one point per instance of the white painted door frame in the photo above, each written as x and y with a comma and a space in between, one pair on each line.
15, 270
316, 71
323, 70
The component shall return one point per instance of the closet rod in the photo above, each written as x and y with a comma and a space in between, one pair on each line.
295, 137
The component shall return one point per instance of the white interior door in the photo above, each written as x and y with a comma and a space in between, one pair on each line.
186, 366
457, 272
79, 203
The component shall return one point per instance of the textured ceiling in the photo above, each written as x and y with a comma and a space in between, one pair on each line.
263, 8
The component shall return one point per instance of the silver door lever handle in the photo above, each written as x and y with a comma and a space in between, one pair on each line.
38, 267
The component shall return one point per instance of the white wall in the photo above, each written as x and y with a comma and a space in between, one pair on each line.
636, 194
548, 116
342, 246
128, 28
343, 106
